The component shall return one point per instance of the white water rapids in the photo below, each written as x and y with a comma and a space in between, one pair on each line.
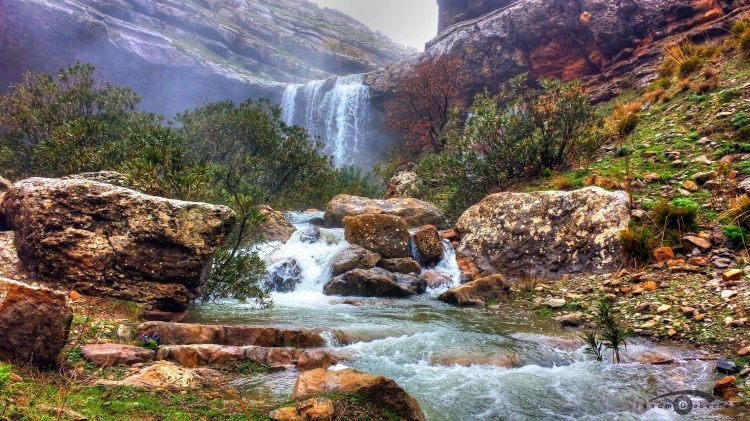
336, 110
465, 364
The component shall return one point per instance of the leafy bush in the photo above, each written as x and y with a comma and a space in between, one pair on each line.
515, 135
151, 341
740, 120
679, 215
729, 95
738, 237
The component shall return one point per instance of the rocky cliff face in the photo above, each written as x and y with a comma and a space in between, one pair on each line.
610, 44
457, 11
181, 53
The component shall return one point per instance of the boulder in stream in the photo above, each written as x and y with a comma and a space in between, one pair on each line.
477, 293
405, 265
34, 324
309, 235
353, 257
415, 212
374, 283
378, 388
428, 244
544, 234
103, 240
386, 235
276, 227
284, 276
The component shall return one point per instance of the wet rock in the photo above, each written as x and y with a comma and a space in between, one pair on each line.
436, 279
386, 235
402, 185
555, 303
109, 355
498, 360
726, 366
477, 293
726, 388
378, 388
316, 409
428, 244
310, 359
274, 357
353, 257
545, 233
276, 227
165, 375
284, 276
236, 335
34, 324
415, 212
411, 282
405, 265
370, 283
309, 235
654, 359
92, 237
571, 319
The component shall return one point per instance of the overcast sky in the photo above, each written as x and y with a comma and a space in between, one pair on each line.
410, 22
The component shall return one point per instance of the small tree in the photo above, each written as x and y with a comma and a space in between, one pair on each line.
424, 98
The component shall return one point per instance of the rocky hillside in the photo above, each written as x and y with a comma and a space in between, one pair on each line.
181, 53
613, 45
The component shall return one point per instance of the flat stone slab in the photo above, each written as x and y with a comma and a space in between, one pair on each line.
109, 355
276, 358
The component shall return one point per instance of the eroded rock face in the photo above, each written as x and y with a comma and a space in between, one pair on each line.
402, 185
34, 324
103, 240
477, 293
378, 388
354, 257
386, 235
276, 227
456, 11
236, 335
374, 283
165, 375
109, 355
544, 234
415, 212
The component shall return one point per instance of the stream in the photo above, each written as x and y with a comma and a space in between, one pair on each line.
465, 364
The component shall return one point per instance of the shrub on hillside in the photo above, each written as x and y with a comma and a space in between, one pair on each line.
679, 215
637, 243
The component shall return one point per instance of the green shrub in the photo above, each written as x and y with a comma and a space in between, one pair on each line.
729, 95
680, 215
740, 120
737, 237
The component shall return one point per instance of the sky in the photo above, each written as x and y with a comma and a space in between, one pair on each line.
409, 22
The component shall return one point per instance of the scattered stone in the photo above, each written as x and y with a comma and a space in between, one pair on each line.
688, 311
353, 257
690, 186
310, 359
428, 244
92, 237
415, 212
727, 294
726, 366
649, 324
649, 286
555, 303
165, 375
34, 324
702, 177
732, 275
109, 355
665, 308
382, 390
744, 352
651, 177
726, 388
514, 233
699, 242
374, 283
276, 227
744, 185
654, 359
316, 409
571, 319
477, 293
663, 254
405, 265
124, 332
386, 235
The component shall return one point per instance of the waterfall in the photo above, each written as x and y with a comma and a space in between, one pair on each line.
336, 110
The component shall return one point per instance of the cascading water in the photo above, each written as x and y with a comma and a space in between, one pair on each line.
463, 364
336, 110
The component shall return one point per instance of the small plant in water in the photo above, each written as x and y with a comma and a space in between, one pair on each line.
593, 345
613, 334
151, 341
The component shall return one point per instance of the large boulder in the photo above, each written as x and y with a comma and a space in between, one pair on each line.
378, 388
402, 185
428, 244
34, 324
544, 234
284, 276
104, 240
375, 283
236, 335
477, 293
386, 235
354, 257
276, 227
415, 212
